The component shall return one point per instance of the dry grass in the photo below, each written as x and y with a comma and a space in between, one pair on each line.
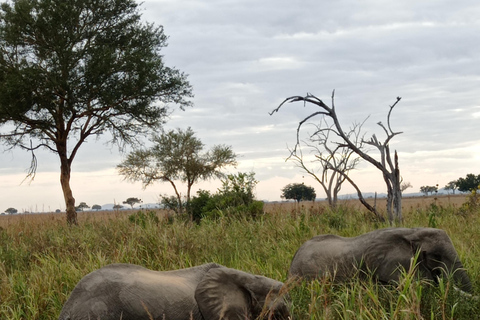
408, 203
41, 258
60, 219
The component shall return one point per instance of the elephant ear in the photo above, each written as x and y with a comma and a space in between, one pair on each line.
386, 258
221, 295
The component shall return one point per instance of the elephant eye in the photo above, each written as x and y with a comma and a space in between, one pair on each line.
436, 257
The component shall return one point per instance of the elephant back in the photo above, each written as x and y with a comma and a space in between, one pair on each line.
319, 255
126, 291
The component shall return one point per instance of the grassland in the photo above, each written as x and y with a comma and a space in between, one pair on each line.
41, 258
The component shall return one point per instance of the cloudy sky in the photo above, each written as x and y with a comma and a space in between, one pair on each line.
245, 57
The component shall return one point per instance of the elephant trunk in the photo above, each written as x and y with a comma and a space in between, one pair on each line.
461, 278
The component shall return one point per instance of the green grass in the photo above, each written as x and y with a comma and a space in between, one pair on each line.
40, 263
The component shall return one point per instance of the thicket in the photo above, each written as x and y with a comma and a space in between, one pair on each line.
42, 260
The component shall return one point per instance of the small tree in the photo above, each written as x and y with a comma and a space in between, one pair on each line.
469, 183
82, 206
132, 201
171, 203
96, 207
428, 189
11, 211
452, 185
73, 70
235, 198
298, 192
176, 155
240, 188
117, 207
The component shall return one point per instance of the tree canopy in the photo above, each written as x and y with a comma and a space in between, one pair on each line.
428, 189
469, 183
132, 201
451, 186
176, 156
82, 206
298, 192
11, 211
74, 69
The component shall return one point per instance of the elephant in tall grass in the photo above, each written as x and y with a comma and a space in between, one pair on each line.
381, 253
205, 292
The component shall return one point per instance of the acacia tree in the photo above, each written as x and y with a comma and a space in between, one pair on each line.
82, 206
334, 161
132, 201
387, 165
176, 156
428, 189
298, 192
11, 211
70, 70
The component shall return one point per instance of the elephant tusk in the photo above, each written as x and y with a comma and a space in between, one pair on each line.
466, 294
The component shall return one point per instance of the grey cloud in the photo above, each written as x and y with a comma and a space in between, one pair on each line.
245, 57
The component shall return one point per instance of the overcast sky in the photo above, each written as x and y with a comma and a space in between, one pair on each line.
245, 57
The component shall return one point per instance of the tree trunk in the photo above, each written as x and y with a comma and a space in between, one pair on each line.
65, 170
363, 201
397, 192
179, 198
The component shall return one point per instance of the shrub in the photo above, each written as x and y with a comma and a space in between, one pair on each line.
235, 198
142, 219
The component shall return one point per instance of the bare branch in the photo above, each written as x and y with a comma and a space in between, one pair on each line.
352, 142
32, 170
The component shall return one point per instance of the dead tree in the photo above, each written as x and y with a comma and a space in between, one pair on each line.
388, 167
331, 163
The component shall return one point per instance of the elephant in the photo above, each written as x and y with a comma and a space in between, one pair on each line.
379, 254
205, 292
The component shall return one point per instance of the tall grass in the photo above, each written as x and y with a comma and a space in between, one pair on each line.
42, 260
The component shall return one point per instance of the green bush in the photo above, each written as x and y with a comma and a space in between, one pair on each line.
234, 199
142, 219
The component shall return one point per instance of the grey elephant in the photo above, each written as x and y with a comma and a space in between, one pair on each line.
205, 292
380, 253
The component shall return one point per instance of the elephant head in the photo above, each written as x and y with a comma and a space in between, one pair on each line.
231, 294
209, 291
436, 255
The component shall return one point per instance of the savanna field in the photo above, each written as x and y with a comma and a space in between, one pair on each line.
42, 258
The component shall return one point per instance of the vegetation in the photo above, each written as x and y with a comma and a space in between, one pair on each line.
428, 189
298, 192
469, 183
96, 207
81, 206
132, 201
73, 70
235, 198
452, 185
11, 211
176, 156
42, 258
